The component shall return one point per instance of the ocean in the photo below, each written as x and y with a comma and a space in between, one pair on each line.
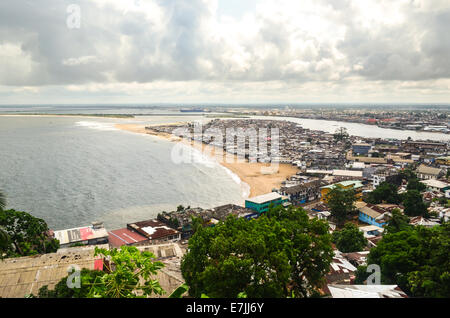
72, 171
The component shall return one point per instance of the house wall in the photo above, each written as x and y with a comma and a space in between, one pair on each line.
369, 220
264, 207
325, 191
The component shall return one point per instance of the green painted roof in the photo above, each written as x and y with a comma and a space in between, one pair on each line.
356, 184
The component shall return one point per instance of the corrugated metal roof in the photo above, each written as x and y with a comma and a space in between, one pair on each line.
124, 236
265, 198
366, 291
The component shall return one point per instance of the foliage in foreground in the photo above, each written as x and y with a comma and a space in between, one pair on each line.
341, 202
24, 235
129, 275
386, 192
349, 239
276, 255
417, 259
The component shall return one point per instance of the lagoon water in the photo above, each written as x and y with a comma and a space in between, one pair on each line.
72, 171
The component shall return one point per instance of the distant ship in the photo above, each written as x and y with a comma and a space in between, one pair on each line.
196, 110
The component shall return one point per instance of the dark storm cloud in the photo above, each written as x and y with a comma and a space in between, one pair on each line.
114, 45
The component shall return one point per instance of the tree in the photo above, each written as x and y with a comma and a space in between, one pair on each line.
415, 184
61, 290
414, 205
385, 192
398, 222
341, 202
408, 174
279, 253
349, 239
128, 274
361, 275
180, 208
417, 260
27, 234
2, 201
341, 134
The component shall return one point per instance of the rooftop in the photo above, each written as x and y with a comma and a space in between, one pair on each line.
355, 183
265, 198
435, 183
366, 291
152, 229
124, 236
80, 234
428, 170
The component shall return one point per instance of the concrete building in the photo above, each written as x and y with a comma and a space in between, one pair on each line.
385, 175
426, 173
260, 204
90, 235
436, 185
361, 148
303, 193
155, 231
355, 185
377, 215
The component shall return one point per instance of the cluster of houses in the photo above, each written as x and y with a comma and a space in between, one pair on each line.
436, 121
323, 163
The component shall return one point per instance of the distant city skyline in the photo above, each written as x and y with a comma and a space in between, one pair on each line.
224, 52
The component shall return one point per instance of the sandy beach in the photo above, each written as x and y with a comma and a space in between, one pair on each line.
261, 178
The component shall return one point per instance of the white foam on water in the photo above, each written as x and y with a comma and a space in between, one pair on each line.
205, 159
244, 186
97, 125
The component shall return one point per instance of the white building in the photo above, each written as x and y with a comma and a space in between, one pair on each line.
90, 235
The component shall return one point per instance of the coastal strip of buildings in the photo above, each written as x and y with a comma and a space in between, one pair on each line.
323, 162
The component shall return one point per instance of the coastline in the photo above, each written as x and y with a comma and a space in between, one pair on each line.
93, 116
256, 175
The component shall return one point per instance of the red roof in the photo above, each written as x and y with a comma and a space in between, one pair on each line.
124, 236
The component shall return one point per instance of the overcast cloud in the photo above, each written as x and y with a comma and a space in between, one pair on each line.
191, 51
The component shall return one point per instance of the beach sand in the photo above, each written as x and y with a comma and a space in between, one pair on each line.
261, 178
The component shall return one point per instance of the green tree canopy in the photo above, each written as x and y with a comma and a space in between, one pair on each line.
414, 205
399, 222
341, 202
349, 239
408, 174
385, 192
341, 134
27, 235
2, 201
130, 274
418, 260
61, 290
415, 184
272, 256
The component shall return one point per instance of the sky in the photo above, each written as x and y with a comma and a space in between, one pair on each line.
224, 51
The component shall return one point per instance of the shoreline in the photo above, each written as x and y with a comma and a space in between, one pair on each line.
70, 116
365, 124
258, 176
